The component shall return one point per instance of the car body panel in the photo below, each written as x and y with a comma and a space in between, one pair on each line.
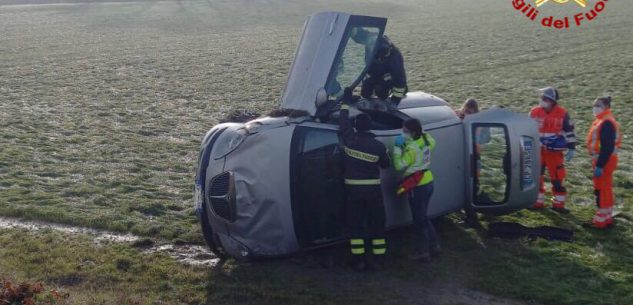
263, 223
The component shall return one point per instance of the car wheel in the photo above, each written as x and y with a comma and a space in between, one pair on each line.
212, 239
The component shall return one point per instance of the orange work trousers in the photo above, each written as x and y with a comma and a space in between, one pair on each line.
603, 189
554, 162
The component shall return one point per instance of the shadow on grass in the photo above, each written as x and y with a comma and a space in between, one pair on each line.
535, 271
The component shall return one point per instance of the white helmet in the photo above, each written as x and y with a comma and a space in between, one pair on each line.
550, 93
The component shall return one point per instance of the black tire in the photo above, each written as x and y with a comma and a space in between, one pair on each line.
212, 239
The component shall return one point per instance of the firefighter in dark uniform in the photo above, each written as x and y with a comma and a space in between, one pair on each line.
386, 75
363, 158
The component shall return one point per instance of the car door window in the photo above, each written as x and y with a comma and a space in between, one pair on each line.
492, 159
357, 54
318, 191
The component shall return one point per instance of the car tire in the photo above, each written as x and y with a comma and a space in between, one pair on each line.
212, 238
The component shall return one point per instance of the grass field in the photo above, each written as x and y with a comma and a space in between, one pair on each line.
103, 106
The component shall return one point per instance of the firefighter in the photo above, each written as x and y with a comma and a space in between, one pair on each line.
386, 75
412, 154
603, 142
363, 158
556, 135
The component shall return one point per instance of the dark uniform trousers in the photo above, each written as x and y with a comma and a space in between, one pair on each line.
378, 86
366, 213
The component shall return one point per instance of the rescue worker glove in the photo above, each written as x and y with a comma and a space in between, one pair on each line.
570, 154
400, 141
597, 172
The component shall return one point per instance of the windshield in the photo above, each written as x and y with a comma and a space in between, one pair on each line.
351, 63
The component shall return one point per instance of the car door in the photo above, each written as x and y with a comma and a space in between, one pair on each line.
332, 55
502, 161
318, 194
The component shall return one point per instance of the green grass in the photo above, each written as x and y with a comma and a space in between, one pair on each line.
102, 107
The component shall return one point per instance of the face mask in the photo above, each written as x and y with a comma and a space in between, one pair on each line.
597, 110
406, 136
544, 104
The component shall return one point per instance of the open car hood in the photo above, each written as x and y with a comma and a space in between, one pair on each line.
335, 51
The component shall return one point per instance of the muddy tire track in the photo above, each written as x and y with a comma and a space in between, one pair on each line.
188, 254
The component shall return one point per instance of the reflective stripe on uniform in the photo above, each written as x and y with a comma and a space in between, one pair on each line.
379, 251
356, 241
603, 215
378, 242
398, 91
606, 211
379, 246
358, 251
357, 246
361, 155
362, 181
600, 218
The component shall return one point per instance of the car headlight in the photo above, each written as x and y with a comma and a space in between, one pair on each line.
228, 142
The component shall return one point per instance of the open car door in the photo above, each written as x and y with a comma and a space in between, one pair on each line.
335, 52
502, 161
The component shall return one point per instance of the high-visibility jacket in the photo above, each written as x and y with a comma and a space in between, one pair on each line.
555, 128
363, 154
416, 156
597, 135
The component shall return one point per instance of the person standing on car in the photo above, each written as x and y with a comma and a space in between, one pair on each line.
412, 154
363, 158
556, 135
386, 76
603, 142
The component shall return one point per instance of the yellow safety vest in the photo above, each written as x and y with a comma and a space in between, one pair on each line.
416, 156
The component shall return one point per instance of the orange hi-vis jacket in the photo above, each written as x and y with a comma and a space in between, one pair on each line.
593, 137
555, 128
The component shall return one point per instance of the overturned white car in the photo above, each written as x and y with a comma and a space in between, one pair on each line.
274, 186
